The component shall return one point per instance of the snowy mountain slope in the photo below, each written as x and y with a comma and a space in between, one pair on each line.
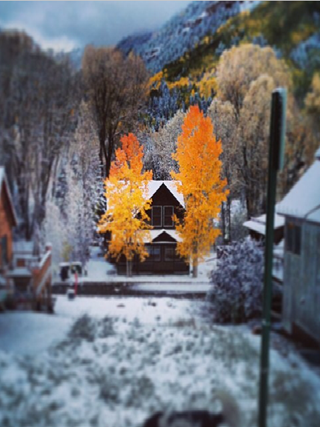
290, 28
182, 32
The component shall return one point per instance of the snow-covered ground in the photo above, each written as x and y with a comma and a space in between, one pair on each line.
99, 270
126, 357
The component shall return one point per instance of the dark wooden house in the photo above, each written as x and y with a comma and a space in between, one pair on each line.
163, 259
8, 220
23, 277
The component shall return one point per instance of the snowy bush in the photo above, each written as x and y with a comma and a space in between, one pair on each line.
84, 328
237, 292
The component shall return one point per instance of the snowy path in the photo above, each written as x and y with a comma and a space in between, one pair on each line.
128, 357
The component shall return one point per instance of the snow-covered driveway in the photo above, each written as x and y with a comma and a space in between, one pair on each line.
125, 358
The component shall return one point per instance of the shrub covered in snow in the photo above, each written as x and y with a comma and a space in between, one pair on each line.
237, 292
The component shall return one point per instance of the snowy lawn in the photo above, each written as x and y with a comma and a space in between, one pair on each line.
125, 358
99, 270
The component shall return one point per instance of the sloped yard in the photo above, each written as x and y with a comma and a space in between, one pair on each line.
125, 358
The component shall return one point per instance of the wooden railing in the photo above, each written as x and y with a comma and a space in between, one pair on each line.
41, 277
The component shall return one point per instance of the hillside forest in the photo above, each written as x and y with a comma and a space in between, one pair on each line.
61, 120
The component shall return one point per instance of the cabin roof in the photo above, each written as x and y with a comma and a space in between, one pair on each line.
258, 224
303, 200
156, 233
153, 187
4, 184
23, 247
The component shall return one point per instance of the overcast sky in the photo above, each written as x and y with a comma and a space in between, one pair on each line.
67, 25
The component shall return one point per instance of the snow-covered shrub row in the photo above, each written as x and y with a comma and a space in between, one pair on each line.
237, 293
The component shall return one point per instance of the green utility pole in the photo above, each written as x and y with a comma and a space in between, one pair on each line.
276, 155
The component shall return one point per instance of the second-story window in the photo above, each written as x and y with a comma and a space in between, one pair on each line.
156, 216
167, 216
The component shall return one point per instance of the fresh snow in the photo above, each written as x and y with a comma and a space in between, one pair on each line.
303, 199
25, 333
153, 187
127, 357
99, 270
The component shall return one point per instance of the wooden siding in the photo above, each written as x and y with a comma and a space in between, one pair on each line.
161, 266
6, 224
163, 197
301, 293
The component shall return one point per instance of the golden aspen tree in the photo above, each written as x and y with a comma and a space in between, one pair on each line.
126, 218
201, 185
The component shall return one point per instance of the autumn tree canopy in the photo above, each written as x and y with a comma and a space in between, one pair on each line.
39, 97
199, 181
246, 77
126, 218
117, 89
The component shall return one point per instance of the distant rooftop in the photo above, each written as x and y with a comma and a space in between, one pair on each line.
303, 200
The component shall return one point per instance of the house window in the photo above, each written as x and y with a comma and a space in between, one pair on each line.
154, 253
4, 250
167, 216
156, 217
293, 238
170, 254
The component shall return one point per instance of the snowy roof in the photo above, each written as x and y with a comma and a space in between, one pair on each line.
303, 200
259, 224
171, 233
19, 272
23, 246
3, 180
156, 233
153, 187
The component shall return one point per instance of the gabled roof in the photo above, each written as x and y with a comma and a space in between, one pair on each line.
303, 200
155, 233
153, 187
4, 185
259, 224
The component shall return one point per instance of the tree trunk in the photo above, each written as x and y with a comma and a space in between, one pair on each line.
109, 153
229, 218
194, 266
129, 267
223, 221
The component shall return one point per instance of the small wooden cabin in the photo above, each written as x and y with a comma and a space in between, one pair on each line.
257, 228
301, 292
166, 201
8, 220
27, 278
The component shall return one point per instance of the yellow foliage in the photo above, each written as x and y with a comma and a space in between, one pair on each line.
155, 81
207, 84
184, 81
200, 183
126, 217
312, 100
301, 34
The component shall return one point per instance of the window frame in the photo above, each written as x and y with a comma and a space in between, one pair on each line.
175, 256
151, 256
293, 238
164, 216
160, 216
